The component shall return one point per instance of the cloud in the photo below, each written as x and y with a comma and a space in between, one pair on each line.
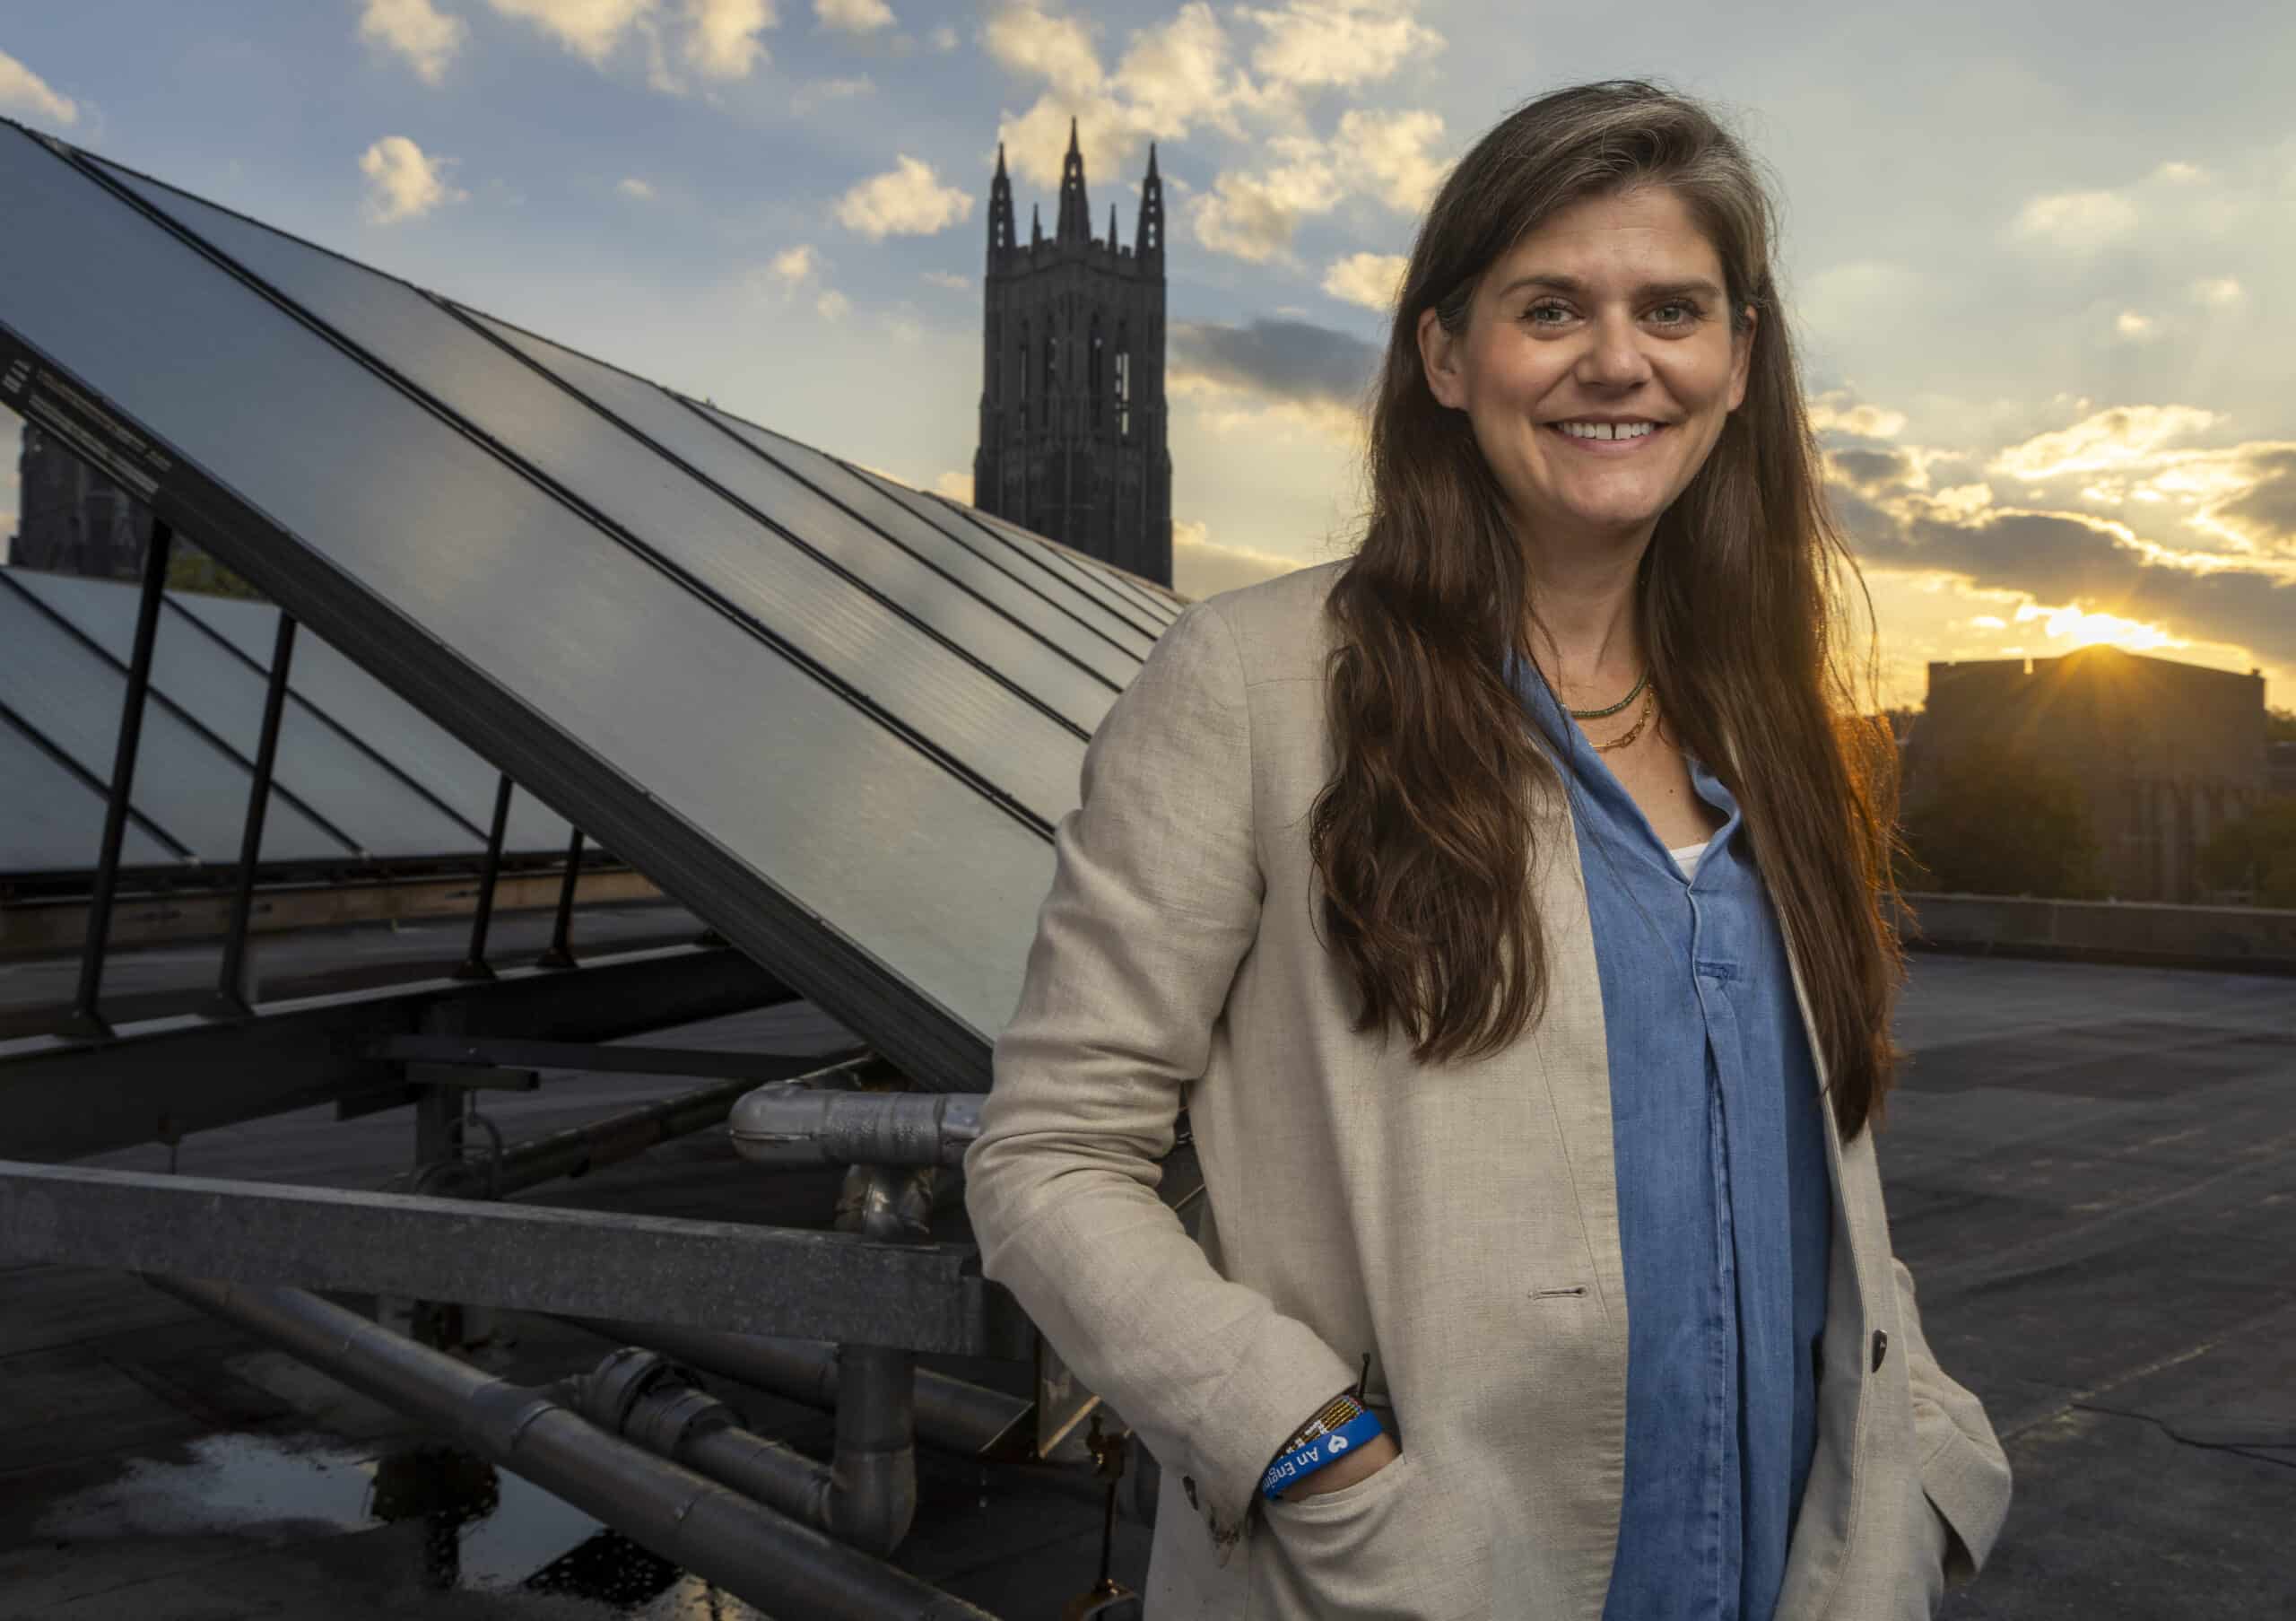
417, 31
1201, 567
632, 187
853, 16
790, 269
908, 200
956, 486
1392, 150
2218, 290
832, 306
1373, 280
1254, 216
403, 182
812, 95
2117, 438
1343, 43
1058, 48
1324, 371
2080, 221
717, 39
1835, 411
1172, 77
2099, 566
22, 91
2135, 326
2258, 507
949, 279
943, 38
721, 40
590, 29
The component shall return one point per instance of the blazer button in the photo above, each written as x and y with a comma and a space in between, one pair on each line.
1188, 1485
1881, 1347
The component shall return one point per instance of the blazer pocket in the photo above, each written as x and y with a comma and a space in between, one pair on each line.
1367, 1552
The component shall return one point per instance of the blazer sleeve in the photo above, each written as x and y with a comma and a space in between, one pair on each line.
1962, 1466
1155, 897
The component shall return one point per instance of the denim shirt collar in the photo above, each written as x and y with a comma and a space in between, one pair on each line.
1585, 773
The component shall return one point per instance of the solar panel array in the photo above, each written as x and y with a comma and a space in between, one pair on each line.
836, 717
360, 776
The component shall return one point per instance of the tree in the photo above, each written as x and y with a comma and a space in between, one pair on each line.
1995, 821
189, 569
2279, 725
2258, 853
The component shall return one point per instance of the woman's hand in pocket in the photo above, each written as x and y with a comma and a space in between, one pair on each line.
1364, 1461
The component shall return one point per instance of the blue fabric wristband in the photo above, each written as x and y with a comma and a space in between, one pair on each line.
1296, 1466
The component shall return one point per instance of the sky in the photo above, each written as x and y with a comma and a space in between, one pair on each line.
2029, 252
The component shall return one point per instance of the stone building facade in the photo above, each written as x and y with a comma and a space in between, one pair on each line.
2164, 752
1072, 399
74, 521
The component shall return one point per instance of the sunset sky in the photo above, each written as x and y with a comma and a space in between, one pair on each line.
2036, 256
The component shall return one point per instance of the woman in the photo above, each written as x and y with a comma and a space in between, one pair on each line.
1558, 780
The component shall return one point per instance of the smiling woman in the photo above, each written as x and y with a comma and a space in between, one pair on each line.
1505, 905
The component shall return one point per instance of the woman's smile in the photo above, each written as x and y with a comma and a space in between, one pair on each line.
1607, 438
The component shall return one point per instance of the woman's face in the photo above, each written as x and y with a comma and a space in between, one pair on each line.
1613, 312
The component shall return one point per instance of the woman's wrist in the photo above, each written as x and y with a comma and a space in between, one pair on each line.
1335, 1429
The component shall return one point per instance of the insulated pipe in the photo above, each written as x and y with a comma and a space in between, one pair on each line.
580, 1149
778, 1124
763, 1558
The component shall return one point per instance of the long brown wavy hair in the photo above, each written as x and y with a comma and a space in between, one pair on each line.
1423, 837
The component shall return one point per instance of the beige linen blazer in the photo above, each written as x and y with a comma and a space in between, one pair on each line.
1460, 1223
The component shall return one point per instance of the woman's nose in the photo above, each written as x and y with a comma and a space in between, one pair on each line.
1613, 355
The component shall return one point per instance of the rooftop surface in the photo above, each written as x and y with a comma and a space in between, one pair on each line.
2089, 1172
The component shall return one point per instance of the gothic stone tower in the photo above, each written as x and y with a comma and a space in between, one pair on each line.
1072, 399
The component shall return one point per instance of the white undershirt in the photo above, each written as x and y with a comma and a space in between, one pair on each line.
1687, 858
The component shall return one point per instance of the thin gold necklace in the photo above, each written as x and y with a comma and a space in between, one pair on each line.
1649, 708
1613, 709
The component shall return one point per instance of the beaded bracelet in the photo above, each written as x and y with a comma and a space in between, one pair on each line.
1296, 1466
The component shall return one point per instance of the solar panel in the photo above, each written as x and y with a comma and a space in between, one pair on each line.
751, 570
316, 769
53, 820
416, 746
188, 783
1031, 639
864, 809
1127, 642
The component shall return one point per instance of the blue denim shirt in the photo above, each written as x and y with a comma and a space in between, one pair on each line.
1725, 1209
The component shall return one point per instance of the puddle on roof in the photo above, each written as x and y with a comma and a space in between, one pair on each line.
486, 1529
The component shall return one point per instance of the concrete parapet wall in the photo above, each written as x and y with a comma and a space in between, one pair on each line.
2255, 938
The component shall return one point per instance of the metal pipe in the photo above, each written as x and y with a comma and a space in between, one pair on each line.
763, 1558
230, 985
473, 965
641, 1396
84, 1018
783, 1125
954, 1414
873, 1489
578, 1150
560, 954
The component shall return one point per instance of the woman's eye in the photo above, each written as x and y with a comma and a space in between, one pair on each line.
1536, 310
1688, 312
